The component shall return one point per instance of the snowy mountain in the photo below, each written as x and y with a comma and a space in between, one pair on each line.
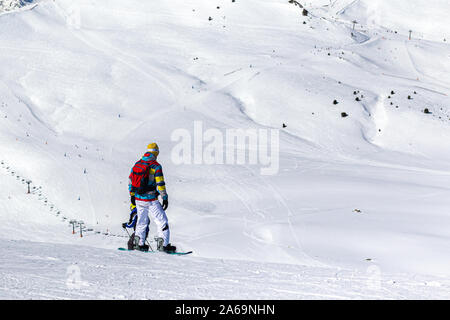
353, 205
8, 5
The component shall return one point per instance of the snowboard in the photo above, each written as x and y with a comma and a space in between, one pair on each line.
150, 251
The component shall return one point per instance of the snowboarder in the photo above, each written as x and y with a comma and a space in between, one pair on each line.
146, 182
131, 224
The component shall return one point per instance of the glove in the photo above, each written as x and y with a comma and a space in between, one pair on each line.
165, 204
124, 225
133, 200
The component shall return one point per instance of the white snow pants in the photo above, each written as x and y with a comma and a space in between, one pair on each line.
157, 214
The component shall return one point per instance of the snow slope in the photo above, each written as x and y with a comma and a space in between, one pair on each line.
85, 86
426, 19
53, 271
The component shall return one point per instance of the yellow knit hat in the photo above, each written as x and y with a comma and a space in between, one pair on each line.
153, 148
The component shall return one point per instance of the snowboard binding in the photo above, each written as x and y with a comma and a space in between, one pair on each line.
159, 243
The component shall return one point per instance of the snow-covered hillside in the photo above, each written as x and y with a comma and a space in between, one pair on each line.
425, 19
363, 174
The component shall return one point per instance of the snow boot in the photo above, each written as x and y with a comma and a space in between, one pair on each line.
136, 241
169, 248
131, 242
143, 248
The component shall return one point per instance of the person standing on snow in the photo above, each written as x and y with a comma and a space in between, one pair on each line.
146, 181
131, 224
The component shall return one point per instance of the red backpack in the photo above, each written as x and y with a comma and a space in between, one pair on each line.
139, 177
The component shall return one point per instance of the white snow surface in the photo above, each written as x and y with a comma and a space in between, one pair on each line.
359, 208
